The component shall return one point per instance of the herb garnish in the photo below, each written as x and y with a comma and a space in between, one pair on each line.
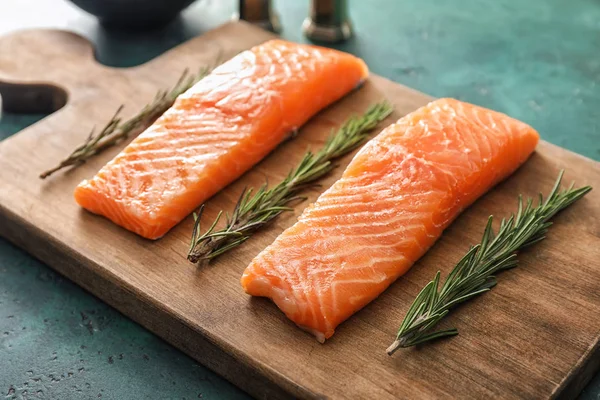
474, 273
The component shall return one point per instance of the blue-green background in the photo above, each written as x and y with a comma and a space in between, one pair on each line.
537, 60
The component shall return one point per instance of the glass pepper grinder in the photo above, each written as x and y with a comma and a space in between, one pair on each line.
259, 13
328, 21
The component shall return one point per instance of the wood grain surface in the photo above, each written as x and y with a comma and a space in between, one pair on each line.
535, 336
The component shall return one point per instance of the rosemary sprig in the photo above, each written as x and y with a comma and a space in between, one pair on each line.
254, 210
116, 131
474, 273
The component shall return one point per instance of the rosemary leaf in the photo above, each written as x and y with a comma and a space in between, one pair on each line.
474, 273
255, 209
117, 130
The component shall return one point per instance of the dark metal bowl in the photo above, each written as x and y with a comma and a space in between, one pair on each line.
133, 14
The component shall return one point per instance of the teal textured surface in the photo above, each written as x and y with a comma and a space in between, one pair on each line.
538, 61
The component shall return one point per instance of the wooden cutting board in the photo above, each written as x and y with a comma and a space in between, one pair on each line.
535, 336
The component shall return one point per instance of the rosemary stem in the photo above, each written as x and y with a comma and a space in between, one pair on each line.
63, 164
394, 347
475, 273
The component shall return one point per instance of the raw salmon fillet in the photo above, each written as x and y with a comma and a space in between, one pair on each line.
391, 204
216, 131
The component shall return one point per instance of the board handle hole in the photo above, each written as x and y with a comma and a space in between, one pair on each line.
32, 98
